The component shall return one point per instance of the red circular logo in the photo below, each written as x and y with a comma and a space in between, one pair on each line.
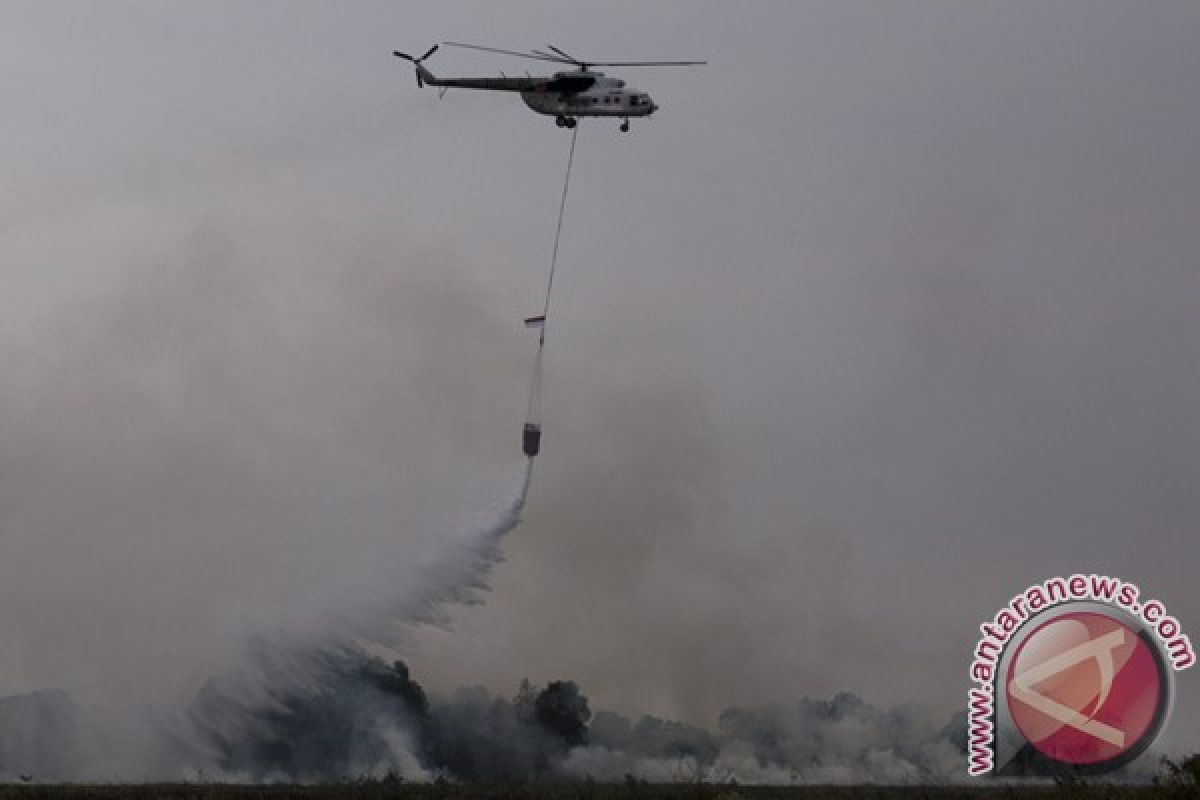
1084, 688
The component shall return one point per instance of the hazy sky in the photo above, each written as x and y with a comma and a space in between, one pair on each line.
891, 310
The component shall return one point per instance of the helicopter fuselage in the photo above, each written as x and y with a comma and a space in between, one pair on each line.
565, 95
607, 97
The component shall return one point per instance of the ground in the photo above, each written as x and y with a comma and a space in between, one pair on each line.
379, 790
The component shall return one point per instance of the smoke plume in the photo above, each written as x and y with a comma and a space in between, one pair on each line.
341, 714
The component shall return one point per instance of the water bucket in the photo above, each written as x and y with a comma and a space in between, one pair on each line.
531, 439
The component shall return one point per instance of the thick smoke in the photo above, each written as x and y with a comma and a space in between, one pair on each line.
355, 716
362, 717
340, 714
841, 740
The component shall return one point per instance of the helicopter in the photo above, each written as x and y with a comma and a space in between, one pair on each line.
566, 96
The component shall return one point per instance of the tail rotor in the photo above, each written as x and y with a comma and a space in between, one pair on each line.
416, 61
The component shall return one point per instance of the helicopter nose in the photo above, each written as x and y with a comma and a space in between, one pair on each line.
653, 106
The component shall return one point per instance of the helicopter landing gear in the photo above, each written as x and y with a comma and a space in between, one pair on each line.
625, 126
565, 122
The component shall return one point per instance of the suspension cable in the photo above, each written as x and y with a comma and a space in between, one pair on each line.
532, 434
562, 206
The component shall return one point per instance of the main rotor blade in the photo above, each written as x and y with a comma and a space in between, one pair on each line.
429, 52
405, 56
645, 63
507, 52
564, 55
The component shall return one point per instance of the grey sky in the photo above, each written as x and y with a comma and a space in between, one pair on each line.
890, 311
